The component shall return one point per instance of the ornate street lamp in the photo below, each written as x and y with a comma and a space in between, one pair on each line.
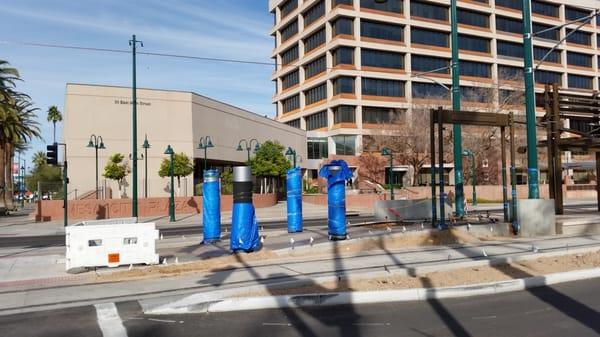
146, 146
205, 143
170, 152
387, 152
97, 143
248, 146
469, 153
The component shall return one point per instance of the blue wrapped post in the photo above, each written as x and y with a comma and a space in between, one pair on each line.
211, 207
294, 200
244, 226
336, 173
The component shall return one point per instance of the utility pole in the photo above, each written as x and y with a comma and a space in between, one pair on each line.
134, 167
532, 162
457, 136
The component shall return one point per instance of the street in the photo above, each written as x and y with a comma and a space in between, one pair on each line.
569, 309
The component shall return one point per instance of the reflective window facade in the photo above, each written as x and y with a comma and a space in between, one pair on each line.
581, 82
315, 67
382, 31
291, 103
315, 94
289, 55
316, 121
381, 87
343, 55
289, 30
393, 6
343, 26
471, 18
290, 79
377, 115
345, 145
510, 49
422, 63
315, 40
428, 10
431, 91
475, 69
544, 8
344, 114
580, 37
472, 43
382, 59
317, 148
429, 37
504, 24
314, 13
343, 85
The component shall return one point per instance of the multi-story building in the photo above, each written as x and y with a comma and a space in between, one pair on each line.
346, 68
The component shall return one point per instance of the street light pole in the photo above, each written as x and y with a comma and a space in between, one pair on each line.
204, 144
134, 190
98, 143
470, 154
23, 182
146, 146
291, 153
457, 132
248, 146
387, 152
170, 152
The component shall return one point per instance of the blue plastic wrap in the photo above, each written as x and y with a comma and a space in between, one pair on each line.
294, 200
336, 196
244, 235
211, 206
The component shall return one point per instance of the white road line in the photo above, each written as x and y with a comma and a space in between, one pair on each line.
372, 324
161, 320
276, 324
109, 321
484, 317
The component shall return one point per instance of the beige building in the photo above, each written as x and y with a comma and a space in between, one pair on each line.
347, 67
167, 117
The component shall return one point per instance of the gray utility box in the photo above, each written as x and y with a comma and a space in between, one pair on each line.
420, 209
536, 217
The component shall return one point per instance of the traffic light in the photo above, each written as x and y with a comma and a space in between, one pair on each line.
52, 154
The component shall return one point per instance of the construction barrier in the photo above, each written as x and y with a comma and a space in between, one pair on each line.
336, 173
294, 200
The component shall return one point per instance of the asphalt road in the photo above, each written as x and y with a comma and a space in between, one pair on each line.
59, 240
570, 309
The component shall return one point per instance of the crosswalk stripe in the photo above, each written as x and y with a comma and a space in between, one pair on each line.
109, 320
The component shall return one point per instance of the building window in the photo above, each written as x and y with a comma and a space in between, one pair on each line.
342, 2
394, 6
539, 52
511, 97
316, 121
509, 73
289, 31
548, 77
471, 18
544, 8
295, 123
288, 7
343, 26
475, 69
317, 148
344, 114
509, 25
289, 55
579, 37
315, 40
509, 49
315, 94
514, 4
291, 103
377, 115
379, 87
290, 80
343, 55
575, 13
383, 31
345, 145
476, 94
382, 59
343, 85
472, 43
581, 82
315, 67
428, 10
431, 91
549, 35
429, 37
428, 63
314, 13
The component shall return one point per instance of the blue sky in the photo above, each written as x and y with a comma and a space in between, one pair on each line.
235, 29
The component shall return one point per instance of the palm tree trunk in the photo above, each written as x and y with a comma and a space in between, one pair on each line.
10, 158
3, 169
54, 125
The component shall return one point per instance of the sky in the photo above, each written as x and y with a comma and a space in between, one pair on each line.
232, 29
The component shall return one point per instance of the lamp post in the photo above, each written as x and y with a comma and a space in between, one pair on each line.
170, 152
248, 146
205, 143
97, 143
469, 153
134, 170
292, 154
387, 152
22, 187
146, 146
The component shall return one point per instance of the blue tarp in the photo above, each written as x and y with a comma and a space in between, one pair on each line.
294, 200
244, 228
211, 206
336, 195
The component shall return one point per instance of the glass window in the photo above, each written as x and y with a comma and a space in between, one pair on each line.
472, 18
579, 59
315, 67
579, 37
544, 8
539, 52
316, 121
315, 40
478, 44
429, 91
428, 10
344, 114
291, 103
509, 49
509, 25
582, 82
317, 148
377, 115
379, 87
295, 123
509, 73
383, 31
344, 145
291, 79
511, 97
314, 13
429, 37
343, 85
549, 35
572, 13
289, 55
342, 2
514, 4
288, 7
476, 69
422, 63
343, 55
315, 94
343, 26
289, 30
382, 59
476, 94
394, 6
548, 77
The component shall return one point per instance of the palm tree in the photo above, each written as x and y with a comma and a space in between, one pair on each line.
39, 159
54, 116
8, 78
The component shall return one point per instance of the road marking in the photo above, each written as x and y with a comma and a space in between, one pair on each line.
372, 324
161, 320
485, 317
109, 321
537, 311
277, 324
